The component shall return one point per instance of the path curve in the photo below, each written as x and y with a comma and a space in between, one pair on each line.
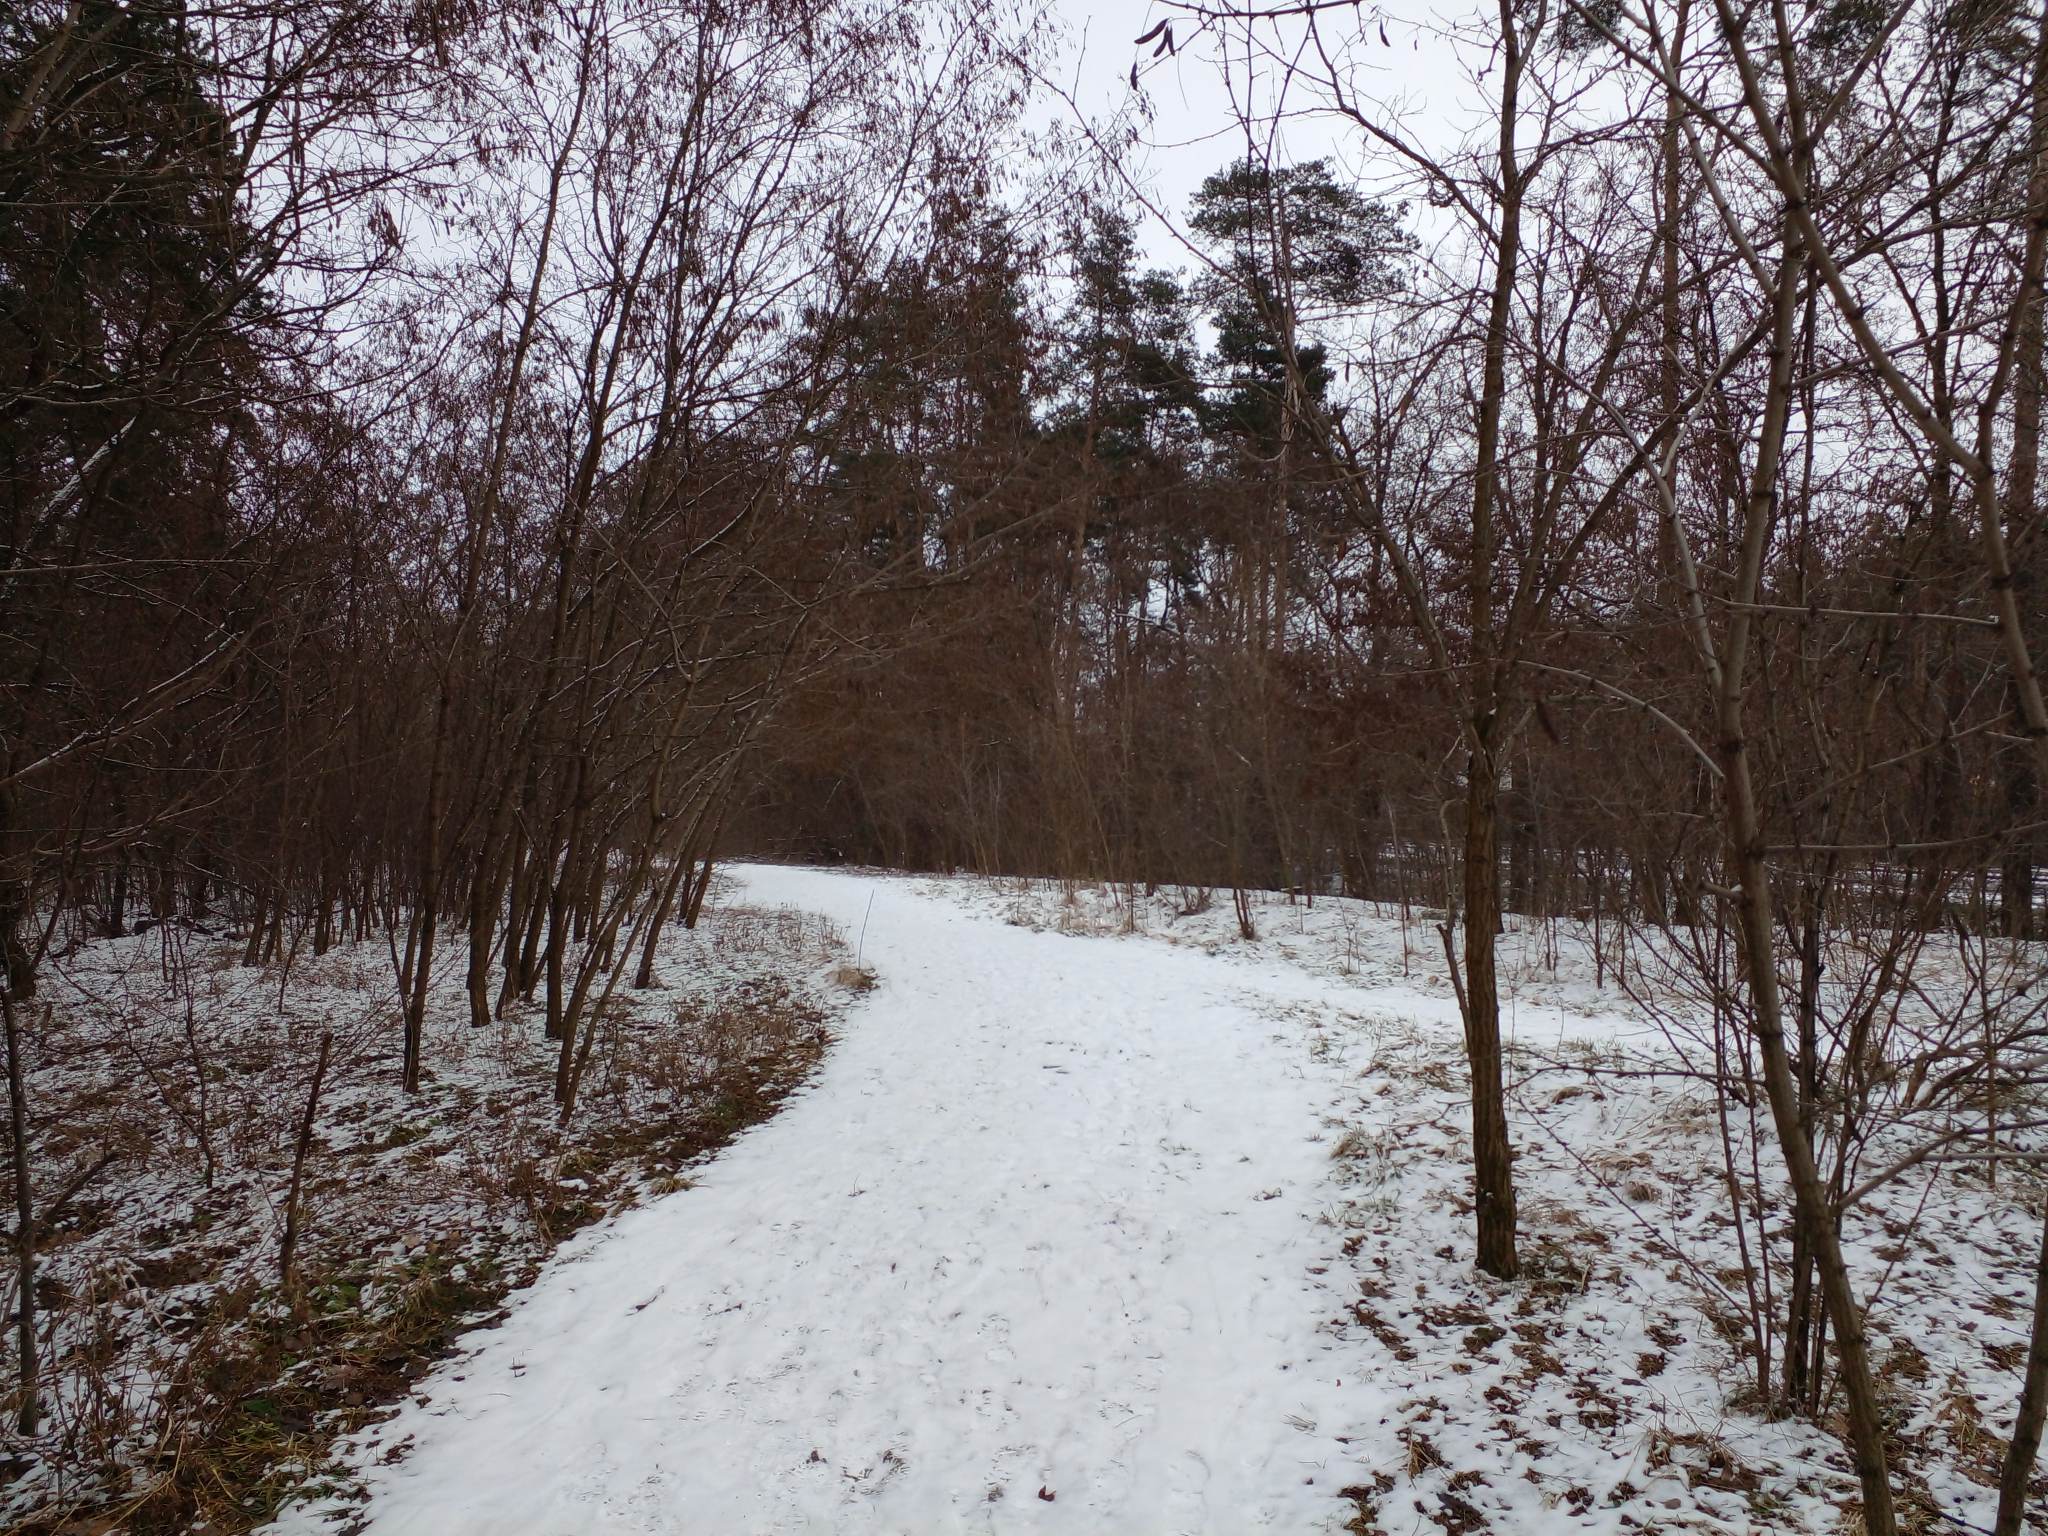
1045, 1221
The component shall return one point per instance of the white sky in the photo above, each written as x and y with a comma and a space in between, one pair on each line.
1422, 77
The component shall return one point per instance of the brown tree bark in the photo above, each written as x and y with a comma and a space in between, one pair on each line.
294, 1200
1493, 1173
1493, 1168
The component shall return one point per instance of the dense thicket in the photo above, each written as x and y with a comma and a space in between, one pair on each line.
418, 454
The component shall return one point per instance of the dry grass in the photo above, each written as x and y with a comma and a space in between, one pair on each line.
190, 1393
854, 977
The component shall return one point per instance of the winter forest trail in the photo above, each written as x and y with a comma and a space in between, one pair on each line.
1036, 1251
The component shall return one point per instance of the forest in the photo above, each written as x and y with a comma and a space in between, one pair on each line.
474, 475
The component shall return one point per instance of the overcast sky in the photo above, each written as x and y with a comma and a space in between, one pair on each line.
1418, 75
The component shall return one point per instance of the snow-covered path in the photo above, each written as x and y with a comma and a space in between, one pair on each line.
1034, 1253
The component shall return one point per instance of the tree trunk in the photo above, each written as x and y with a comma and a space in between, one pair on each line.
2025, 1444
2023, 771
644, 977
1492, 1159
117, 899
1493, 1169
486, 905
294, 1201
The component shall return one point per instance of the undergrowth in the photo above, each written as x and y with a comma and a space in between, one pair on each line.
187, 1388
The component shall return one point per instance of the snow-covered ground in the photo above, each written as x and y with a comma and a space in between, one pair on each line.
1034, 1251
183, 1389
1163, 1233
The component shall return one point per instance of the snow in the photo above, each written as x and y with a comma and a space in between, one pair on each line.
1168, 1232
161, 1318
1043, 1226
